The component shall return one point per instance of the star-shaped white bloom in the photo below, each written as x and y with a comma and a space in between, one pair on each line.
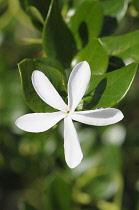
77, 85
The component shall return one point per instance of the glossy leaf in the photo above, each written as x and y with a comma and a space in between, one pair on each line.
124, 46
95, 54
108, 89
114, 8
58, 194
58, 41
26, 67
86, 22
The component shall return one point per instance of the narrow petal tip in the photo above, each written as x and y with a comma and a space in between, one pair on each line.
72, 148
18, 123
36, 73
74, 164
99, 117
85, 63
120, 115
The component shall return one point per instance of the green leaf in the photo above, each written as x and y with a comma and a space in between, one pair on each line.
75, 3
40, 5
114, 8
124, 46
95, 54
35, 16
37, 10
86, 22
50, 62
58, 41
58, 194
108, 89
26, 67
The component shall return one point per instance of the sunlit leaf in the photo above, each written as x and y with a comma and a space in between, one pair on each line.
26, 67
95, 54
58, 41
86, 22
124, 46
108, 89
114, 8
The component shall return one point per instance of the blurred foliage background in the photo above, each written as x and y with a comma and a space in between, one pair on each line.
33, 172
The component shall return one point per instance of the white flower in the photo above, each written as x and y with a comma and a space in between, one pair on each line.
77, 85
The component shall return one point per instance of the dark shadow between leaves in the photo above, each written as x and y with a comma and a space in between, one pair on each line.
98, 92
115, 63
83, 32
109, 26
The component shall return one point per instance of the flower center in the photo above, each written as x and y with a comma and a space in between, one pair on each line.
67, 112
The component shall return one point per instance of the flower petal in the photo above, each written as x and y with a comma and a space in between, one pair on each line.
77, 85
73, 152
46, 91
39, 122
98, 117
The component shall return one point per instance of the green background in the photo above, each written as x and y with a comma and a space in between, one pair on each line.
33, 172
